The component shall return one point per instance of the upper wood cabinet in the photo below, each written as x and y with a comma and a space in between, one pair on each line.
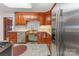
20, 19
23, 18
42, 18
48, 18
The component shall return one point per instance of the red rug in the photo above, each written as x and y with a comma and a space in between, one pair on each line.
18, 50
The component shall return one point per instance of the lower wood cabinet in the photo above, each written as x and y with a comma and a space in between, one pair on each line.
23, 37
43, 38
12, 37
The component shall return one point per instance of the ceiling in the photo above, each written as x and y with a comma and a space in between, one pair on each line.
36, 7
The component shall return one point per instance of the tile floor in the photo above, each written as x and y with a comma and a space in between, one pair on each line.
34, 49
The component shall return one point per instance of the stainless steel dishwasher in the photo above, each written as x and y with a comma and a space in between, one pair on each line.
21, 37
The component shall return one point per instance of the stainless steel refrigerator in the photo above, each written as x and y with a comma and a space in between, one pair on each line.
65, 29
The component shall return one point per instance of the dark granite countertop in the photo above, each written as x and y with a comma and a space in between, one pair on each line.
3, 48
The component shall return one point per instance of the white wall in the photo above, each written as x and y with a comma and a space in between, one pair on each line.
2, 14
1, 28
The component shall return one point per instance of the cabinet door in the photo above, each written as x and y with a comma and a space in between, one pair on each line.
13, 37
20, 20
7, 26
39, 38
48, 40
42, 19
43, 38
48, 20
17, 19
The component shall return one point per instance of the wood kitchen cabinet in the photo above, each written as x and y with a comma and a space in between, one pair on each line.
43, 38
7, 26
12, 37
48, 18
42, 18
20, 20
48, 21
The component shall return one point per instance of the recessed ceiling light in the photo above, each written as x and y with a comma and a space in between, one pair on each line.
18, 5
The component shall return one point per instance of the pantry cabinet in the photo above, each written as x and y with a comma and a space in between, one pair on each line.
48, 18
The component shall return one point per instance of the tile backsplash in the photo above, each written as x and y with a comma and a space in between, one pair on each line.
33, 25
42, 28
19, 28
45, 28
30, 25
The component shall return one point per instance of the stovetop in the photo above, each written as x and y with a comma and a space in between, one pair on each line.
3, 44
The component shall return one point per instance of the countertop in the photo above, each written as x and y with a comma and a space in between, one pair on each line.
29, 30
5, 47
24, 29
19, 30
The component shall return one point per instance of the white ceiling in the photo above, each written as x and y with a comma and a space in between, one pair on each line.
36, 7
